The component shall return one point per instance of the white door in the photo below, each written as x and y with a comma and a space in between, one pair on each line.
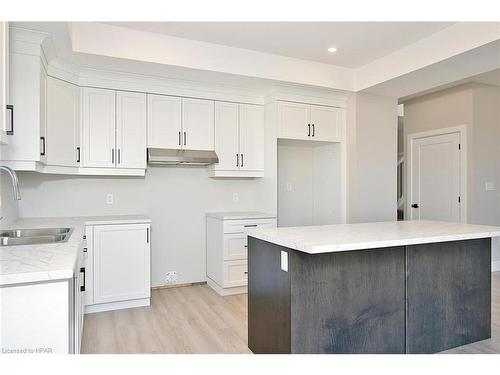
435, 178
62, 128
226, 135
198, 124
325, 123
98, 128
164, 121
130, 130
121, 262
251, 137
293, 120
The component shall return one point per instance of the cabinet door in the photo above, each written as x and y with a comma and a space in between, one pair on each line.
226, 135
4, 80
164, 121
251, 137
326, 123
121, 262
62, 128
98, 128
293, 120
198, 124
130, 130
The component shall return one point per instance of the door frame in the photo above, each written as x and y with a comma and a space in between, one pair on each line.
462, 131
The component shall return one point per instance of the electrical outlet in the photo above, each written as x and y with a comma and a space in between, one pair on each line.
489, 186
109, 198
171, 277
236, 197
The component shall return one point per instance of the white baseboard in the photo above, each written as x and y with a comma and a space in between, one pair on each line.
226, 291
495, 266
117, 305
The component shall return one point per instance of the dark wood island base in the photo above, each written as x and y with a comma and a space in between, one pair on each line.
422, 298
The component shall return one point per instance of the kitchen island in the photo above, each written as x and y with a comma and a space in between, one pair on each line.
387, 287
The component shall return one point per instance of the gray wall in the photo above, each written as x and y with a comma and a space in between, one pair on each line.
372, 158
176, 199
478, 107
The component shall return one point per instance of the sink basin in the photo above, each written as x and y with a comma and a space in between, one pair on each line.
34, 236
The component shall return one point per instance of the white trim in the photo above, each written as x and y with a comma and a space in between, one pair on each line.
89, 309
462, 130
226, 291
495, 266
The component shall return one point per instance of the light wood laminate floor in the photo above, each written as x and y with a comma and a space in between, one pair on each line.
195, 319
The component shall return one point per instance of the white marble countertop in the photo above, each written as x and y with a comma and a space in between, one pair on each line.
240, 215
347, 237
43, 262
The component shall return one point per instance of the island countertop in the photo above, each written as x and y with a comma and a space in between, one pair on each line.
348, 237
50, 261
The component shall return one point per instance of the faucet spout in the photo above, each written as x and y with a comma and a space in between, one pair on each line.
15, 182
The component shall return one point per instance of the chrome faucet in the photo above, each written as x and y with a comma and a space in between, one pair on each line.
15, 183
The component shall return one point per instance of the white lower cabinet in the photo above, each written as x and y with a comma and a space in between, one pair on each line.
227, 249
43, 317
118, 266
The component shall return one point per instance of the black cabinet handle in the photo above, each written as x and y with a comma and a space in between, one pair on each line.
313, 131
237, 160
249, 225
246, 272
242, 160
82, 288
119, 159
308, 130
42, 153
179, 138
147, 235
78, 154
112, 156
415, 205
185, 137
10, 108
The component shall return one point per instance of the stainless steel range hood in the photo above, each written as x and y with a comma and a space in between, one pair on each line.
163, 156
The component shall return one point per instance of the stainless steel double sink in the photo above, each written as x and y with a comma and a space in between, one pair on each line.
13, 237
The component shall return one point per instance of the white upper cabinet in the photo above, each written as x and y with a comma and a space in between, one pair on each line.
4, 82
198, 127
164, 121
98, 128
130, 130
326, 123
227, 135
310, 122
27, 97
60, 139
180, 123
293, 120
251, 137
239, 140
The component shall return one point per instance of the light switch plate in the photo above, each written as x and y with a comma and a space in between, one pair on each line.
289, 186
236, 197
284, 261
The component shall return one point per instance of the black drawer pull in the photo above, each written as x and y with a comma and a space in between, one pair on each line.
250, 225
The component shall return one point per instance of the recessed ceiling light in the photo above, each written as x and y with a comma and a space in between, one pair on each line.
332, 49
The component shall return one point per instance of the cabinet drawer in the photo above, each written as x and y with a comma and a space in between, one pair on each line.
235, 273
241, 226
235, 246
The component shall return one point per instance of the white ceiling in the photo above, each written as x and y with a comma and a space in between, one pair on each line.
358, 43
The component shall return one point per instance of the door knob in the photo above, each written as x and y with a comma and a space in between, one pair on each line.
414, 205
